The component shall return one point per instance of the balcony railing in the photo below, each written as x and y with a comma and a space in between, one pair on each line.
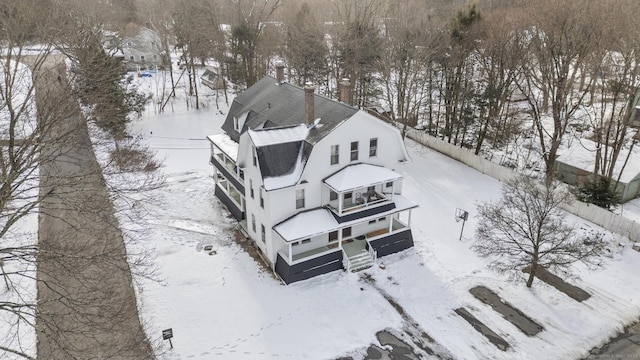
230, 165
364, 201
298, 257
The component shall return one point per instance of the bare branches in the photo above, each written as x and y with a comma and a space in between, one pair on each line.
527, 229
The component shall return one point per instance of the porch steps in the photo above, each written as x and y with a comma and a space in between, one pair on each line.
361, 261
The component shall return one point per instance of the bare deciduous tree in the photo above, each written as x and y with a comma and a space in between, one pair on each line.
38, 139
561, 41
526, 228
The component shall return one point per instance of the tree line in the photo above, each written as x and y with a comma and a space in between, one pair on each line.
488, 75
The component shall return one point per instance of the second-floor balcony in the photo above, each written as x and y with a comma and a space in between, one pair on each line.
225, 151
361, 190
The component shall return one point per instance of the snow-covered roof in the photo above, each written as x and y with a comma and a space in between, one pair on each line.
581, 154
360, 175
267, 137
226, 144
320, 221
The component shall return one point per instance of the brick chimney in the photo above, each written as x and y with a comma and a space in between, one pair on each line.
345, 93
308, 103
280, 72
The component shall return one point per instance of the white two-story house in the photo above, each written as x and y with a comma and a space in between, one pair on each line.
313, 181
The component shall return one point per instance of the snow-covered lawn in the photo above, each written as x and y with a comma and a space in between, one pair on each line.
223, 306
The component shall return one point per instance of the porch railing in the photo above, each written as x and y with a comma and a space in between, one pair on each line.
373, 253
346, 263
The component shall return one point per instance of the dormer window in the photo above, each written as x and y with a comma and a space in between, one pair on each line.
235, 123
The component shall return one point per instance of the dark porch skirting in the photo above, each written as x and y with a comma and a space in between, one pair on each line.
393, 243
308, 269
226, 200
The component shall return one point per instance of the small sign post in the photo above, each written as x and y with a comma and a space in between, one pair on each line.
461, 215
168, 334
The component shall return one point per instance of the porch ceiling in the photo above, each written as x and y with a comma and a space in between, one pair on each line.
320, 221
360, 175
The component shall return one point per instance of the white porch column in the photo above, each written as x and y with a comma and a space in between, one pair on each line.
340, 203
290, 255
340, 239
409, 220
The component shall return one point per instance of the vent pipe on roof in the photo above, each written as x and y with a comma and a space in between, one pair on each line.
345, 93
308, 103
280, 72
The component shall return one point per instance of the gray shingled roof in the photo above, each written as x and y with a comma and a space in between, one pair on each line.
272, 105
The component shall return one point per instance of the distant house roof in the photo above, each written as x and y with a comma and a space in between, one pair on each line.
581, 155
211, 79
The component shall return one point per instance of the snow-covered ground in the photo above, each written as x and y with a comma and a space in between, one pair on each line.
223, 306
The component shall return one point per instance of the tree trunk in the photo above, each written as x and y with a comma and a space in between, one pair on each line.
532, 274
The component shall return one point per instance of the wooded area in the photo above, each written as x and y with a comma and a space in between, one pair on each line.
508, 79
512, 78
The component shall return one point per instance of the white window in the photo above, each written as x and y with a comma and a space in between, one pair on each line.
354, 151
253, 222
306, 241
335, 157
251, 188
132, 58
373, 147
261, 199
141, 58
235, 123
299, 198
255, 158
263, 233
333, 195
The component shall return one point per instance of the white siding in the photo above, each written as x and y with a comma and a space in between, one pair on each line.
281, 204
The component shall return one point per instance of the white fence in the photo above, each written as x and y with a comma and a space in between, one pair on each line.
589, 212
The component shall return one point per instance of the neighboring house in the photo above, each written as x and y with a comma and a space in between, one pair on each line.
311, 180
575, 166
141, 47
212, 80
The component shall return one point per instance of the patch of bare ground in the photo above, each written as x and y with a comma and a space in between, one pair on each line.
412, 328
571, 291
508, 311
483, 329
252, 250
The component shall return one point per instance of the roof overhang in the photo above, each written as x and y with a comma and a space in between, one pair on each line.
320, 221
360, 175
225, 144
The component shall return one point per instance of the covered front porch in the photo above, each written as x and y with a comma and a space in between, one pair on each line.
314, 242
